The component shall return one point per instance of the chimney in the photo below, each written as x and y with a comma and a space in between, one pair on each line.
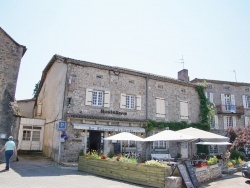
183, 75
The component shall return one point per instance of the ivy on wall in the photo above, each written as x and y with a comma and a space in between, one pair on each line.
206, 111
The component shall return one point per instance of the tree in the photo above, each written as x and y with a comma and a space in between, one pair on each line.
239, 136
35, 91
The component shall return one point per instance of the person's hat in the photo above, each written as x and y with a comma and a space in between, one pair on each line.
10, 137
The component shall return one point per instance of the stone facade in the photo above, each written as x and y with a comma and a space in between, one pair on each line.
66, 93
11, 54
238, 114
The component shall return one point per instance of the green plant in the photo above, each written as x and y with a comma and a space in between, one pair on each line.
154, 163
236, 154
93, 154
81, 152
111, 154
212, 160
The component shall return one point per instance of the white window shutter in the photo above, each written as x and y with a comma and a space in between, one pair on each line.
138, 102
123, 100
211, 97
225, 122
223, 102
244, 101
206, 95
163, 112
216, 122
234, 121
160, 107
184, 109
106, 99
247, 122
88, 99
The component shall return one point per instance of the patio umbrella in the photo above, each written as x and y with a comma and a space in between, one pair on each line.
214, 143
169, 135
203, 135
124, 136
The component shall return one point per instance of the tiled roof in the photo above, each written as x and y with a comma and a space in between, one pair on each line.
196, 80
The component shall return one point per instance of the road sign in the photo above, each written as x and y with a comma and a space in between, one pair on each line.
62, 126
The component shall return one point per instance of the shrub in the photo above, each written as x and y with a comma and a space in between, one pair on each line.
111, 154
154, 163
236, 154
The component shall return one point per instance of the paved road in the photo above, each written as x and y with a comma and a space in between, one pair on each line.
40, 172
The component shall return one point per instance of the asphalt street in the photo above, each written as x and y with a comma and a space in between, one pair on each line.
40, 172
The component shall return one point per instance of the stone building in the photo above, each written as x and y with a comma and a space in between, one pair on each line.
11, 54
232, 106
97, 100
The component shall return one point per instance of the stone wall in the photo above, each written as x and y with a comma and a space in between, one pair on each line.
10, 58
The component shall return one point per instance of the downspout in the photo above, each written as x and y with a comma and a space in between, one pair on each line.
146, 115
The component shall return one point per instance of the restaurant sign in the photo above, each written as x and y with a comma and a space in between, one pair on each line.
109, 128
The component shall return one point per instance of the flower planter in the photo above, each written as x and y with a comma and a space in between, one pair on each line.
134, 173
163, 150
204, 168
213, 166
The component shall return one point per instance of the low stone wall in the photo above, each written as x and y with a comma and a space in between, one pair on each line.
208, 173
134, 173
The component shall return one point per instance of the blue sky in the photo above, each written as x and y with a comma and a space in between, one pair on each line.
146, 35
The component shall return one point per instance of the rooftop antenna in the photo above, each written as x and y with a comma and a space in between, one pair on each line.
235, 75
181, 61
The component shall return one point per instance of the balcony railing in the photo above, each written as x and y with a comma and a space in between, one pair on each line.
230, 109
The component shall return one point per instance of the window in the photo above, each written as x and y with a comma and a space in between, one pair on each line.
246, 101
36, 136
97, 98
247, 121
184, 110
229, 121
160, 107
228, 102
214, 122
130, 101
26, 135
210, 97
159, 144
213, 150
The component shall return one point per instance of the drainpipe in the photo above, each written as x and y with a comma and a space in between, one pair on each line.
146, 115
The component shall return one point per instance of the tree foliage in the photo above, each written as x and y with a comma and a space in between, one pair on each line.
239, 136
35, 91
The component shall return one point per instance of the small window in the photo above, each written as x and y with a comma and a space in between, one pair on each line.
99, 76
227, 87
247, 89
209, 86
160, 86
183, 90
131, 81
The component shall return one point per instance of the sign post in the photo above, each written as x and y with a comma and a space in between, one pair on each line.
61, 127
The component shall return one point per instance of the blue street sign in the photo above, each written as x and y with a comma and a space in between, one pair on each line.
62, 126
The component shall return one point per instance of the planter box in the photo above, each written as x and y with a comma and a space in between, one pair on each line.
204, 168
134, 173
213, 166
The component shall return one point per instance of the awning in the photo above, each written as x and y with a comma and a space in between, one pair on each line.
109, 128
214, 143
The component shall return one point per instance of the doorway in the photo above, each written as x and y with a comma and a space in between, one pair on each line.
95, 141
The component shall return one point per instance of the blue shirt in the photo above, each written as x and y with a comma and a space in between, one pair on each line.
10, 145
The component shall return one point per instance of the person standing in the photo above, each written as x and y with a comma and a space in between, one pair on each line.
10, 149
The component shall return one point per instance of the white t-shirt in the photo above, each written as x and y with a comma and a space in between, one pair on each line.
10, 145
